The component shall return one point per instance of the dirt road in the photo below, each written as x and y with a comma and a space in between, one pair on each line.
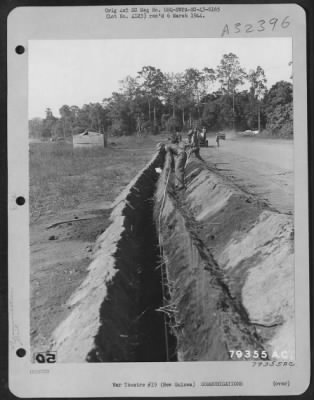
261, 167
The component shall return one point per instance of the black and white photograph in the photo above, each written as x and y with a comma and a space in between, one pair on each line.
161, 222
194, 260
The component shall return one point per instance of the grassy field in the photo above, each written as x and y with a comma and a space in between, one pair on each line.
74, 186
62, 177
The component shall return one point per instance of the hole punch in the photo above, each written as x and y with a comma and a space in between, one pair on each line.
19, 49
20, 201
21, 352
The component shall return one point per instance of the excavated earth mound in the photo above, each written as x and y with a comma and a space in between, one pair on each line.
113, 313
230, 267
183, 276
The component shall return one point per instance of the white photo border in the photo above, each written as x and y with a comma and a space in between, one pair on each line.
87, 380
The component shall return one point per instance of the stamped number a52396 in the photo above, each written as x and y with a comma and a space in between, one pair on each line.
261, 25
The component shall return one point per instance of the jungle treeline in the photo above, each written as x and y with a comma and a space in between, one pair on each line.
227, 97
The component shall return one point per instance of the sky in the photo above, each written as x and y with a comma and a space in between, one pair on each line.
76, 72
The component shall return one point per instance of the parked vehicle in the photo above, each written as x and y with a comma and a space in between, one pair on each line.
221, 135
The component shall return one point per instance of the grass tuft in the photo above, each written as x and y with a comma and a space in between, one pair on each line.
62, 177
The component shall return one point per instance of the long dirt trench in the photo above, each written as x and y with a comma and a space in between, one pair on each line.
184, 276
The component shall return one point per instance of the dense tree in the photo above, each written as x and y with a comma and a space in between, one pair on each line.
97, 117
258, 82
67, 120
210, 113
49, 124
123, 121
152, 100
209, 77
278, 109
246, 111
230, 75
130, 87
195, 83
280, 93
172, 91
152, 85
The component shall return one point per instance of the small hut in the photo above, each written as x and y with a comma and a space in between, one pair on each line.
88, 139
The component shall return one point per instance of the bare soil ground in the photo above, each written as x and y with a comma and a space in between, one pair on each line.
262, 167
71, 192
229, 247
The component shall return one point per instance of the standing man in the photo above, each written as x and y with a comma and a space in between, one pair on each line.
203, 134
180, 153
195, 142
175, 137
217, 139
190, 134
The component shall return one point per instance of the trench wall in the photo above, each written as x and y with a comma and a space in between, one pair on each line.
105, 314
230, 267
229, 274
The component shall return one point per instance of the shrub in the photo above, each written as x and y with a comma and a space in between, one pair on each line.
118, 128
147, 127
280, 120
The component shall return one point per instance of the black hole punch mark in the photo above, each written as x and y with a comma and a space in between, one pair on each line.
21, 352
19, 49
20, 201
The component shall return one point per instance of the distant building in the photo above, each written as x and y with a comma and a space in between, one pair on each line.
88, 138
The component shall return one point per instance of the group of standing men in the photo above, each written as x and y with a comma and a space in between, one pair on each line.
182, 149
196, 136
